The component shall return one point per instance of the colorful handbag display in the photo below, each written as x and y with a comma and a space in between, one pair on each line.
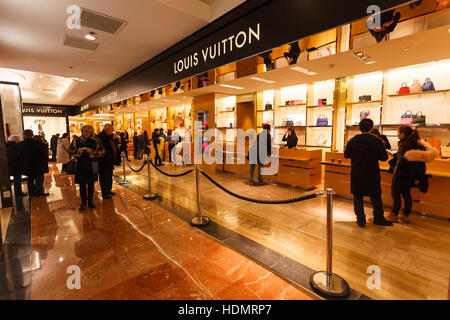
322, 121
364, 114
404, 89
419, 118
407, 117
322, 102
428, 85
416, 87
293, 102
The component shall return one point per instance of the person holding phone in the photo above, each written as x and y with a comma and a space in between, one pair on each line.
87, 150
291, 139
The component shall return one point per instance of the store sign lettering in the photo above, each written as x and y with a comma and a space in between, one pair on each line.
42, 110
110, 96
221, 48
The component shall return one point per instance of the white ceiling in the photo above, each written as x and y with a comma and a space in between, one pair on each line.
32, 33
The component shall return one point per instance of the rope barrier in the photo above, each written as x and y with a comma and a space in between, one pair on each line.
298, 199
134, 170
171, 175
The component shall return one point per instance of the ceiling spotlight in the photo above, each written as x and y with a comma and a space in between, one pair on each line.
359, 54
305, 71
262, 80
232, 87
91, 36
41, 76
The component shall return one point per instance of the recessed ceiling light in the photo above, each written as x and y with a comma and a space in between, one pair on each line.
359, 54
91, 36
262, 80
232, 87
305, 71
41, 76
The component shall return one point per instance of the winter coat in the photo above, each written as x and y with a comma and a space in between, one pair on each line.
87, 162
15, 159
111, 152
254, 155
365, 150
54, 143
35, 155
62, 153
410, 169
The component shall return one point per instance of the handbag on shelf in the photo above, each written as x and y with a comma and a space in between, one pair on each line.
416, 87
404, 89
364, 114
293, 102
289, 122
268, 106
428, 85
321, 140
407, 117
419, 118
322, 102
322, 121
367, 98
283, 122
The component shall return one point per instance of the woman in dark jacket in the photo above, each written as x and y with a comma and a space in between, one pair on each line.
15, 163
124, 144
86, 149
290, 138
409, 171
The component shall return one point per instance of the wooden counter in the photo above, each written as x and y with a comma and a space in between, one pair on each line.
297, 167
436, 202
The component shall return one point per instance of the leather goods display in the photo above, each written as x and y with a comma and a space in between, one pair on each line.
445, 152
321, 140
364, 114
407, 117
428, 85
367, 98
416, 87
287, 122
322, 121
419, 118
322, 102
268, 107
404, 89
293, 102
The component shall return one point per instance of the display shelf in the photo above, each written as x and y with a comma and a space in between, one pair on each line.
320, 106
293, 106
265, 110
418, 93
286, 127
319, 126
428, 125
366, 102
227, 111
311, 146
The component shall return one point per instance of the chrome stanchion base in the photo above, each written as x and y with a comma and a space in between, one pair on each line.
338, 288
151, 197
200, 221
125, 183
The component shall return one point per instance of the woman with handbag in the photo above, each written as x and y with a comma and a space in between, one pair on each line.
290, 138
86, 150
409, 171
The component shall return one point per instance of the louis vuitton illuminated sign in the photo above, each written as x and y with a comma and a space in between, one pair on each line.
220, 48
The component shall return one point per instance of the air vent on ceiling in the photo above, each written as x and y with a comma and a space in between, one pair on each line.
98, 21
80, 43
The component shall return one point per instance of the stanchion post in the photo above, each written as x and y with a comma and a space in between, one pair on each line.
199, 220
124, 182
150, 195
326, 282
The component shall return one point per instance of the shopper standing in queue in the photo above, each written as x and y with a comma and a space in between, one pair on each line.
62, 151
87, 150
156, 142
409, 171
54, 146
260, 150
135, 145
106, 162
35, 161
365, 150
15, 164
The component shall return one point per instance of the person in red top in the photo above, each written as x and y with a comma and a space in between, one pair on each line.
106, 163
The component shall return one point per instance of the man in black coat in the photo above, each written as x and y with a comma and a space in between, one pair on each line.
54, 146
366, 150
258, 153
35, 163
106, 163
15, 164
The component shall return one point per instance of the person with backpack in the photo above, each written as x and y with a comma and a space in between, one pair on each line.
365, 150
409, 170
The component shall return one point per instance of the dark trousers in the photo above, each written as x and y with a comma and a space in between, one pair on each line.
18, 185
90, 192
377, 204
35, 185
157, 158
64, 167
405, 192
252, 170
171, 146
105, 179
53, 155
136, 149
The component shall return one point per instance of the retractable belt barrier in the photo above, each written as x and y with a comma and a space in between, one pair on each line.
325, 282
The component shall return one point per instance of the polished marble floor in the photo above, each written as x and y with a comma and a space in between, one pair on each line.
128, 248
414, 259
